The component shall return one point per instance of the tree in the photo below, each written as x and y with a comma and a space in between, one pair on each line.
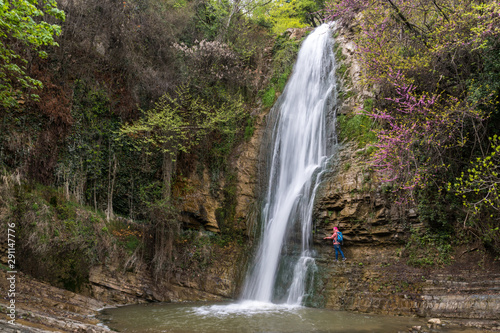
285, 14
436, 68
176, 124
479, 189
212, 62
23, 28
482, 181
436, 87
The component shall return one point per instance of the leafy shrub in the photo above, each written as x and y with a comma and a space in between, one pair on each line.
428, 249
357, 127
269, 97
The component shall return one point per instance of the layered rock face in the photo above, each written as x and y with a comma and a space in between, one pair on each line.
199, 203
114, 286
352, 200
43, 308
375, 278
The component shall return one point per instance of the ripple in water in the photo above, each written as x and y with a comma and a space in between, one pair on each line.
246, 317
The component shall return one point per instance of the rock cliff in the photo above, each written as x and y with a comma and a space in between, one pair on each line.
376, 278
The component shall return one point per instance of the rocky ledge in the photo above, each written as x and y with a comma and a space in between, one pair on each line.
40, 307
376, 277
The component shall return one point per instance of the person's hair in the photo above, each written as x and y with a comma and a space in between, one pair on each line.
335, 228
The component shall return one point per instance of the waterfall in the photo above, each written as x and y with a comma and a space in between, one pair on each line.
302, 124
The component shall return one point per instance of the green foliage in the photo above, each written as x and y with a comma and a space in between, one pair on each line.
268, 97
481, 181
249, 128
284, 54
428, 249
439, 211
479, 190
178, 123
126, 54
58, 239
342, 70
132, 243
226, 47
337, 49
91, 148
98, 165
19, 130
210, 64
20, 24
285, 14
357, 127
484, 85
212, 16
368, 105
219, 153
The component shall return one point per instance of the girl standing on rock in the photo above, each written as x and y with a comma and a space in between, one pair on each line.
336, 244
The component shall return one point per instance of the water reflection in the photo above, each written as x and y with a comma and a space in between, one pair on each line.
246, 317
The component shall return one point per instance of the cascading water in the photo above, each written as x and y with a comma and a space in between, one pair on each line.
302, 139
302, 131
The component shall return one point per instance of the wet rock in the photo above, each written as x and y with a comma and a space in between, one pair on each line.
198, 202
111, 285
297, 33
434, 321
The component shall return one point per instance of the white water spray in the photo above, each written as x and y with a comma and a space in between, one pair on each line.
302, 132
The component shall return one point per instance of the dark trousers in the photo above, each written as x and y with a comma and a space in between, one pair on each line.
337, 250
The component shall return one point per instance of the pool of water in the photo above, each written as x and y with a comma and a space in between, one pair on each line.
247, 317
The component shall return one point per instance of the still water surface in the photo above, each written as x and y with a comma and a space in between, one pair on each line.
247, 317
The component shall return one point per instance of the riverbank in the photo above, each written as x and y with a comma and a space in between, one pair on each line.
40, 307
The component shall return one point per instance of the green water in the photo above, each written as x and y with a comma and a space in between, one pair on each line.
247, 318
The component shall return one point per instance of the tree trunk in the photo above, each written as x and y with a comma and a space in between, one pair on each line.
167, 174
111, 184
